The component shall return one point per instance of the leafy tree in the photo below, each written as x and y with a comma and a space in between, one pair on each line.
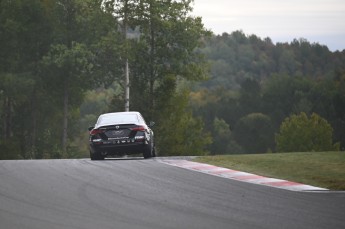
298, 133
77, 55
205, 104
168, 39
53, 51
164, 56
124, 11
254, 133
43, 48
71, 66
338, 122
24, 37
250, 96
283, 94
188, 136
236, 56
223, 140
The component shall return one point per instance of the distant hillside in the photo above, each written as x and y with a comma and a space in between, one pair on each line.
255, 85
236, 56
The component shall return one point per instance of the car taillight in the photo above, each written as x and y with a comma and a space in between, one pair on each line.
96, 131
138, 128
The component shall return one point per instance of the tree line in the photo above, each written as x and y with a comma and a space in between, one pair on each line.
255, 85
63, 62
244, 109
235, 57
54, 51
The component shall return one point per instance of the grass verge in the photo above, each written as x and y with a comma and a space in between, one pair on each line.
321, 169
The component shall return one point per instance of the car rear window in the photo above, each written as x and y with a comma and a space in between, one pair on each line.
117, 119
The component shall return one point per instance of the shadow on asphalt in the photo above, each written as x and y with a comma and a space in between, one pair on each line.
124, 159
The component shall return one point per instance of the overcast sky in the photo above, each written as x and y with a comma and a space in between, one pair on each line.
318, 21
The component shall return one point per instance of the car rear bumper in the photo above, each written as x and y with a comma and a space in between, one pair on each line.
123, 147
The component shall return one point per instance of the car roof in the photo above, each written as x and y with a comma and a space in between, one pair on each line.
131, 117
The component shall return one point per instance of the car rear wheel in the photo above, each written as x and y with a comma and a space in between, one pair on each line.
148, 151
95, 156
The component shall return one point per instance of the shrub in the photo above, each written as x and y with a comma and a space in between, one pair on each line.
298, 133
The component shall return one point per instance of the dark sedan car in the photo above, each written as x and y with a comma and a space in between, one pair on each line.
121, 133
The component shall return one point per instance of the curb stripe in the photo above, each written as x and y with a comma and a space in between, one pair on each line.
241, 176
249, 177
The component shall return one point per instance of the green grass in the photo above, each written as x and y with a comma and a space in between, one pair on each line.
321, 169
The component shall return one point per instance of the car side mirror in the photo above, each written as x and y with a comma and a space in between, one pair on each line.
90, 128
151, 124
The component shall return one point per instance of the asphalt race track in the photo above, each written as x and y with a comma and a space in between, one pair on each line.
137, 193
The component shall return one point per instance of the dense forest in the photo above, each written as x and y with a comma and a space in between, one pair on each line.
62, 63
55, 53
255, 85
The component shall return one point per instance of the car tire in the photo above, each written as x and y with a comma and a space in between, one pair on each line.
95, 156
148, 151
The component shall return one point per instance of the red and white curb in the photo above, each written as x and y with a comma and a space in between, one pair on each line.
241, 176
